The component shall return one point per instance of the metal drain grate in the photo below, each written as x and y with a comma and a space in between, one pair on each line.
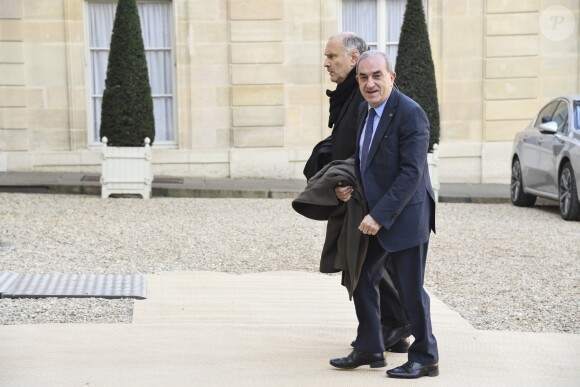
14, 285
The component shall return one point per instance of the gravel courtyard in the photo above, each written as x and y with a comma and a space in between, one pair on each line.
500, 267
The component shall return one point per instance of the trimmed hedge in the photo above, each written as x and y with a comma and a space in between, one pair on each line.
127, 110
414, 68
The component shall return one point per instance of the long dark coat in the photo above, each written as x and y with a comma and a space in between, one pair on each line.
345, 246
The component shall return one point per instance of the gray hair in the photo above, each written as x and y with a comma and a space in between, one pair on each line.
352, 42
370, 53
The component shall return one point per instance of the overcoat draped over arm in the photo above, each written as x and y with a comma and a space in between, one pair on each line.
344, 246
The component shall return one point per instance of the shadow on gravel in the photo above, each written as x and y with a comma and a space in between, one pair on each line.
548, 206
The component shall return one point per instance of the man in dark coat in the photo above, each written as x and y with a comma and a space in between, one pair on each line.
342, 52
391, 157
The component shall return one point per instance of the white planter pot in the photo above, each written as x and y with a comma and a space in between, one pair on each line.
433, 162
126, 170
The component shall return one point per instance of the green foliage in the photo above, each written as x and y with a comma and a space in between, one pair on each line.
414, 68
127, 111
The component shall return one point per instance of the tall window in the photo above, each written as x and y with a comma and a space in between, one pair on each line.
156, 27
377, 21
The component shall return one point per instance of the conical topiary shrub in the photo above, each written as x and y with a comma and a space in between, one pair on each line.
127, 110
414, 68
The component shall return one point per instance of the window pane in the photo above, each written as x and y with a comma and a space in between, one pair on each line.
159, 65
97, 102
395, 11
360, 16
391, 52
154, 24
561, 117
163, 112
99, 64
547, 114
101, 18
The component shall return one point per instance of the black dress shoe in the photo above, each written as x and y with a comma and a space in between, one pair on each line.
411, 370
393, 336
357, 359
395, 339
401, 346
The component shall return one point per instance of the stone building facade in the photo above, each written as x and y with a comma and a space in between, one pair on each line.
247, 86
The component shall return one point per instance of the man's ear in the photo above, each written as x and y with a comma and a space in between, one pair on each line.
393, 76
354, 57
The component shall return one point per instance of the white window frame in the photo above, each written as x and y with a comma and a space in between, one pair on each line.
92, 143
382, 42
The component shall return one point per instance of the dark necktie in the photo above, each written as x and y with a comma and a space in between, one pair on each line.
367, 140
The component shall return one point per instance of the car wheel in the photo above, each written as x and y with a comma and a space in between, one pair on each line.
519, 198
569, 205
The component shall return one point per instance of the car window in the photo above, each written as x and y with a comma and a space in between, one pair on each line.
546, 114
561, 117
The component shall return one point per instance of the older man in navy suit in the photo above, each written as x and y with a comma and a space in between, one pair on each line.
391, 156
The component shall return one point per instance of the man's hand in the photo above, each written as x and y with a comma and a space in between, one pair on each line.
343, 193
369, 226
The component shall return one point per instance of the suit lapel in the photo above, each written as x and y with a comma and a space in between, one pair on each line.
384, 124
362, 119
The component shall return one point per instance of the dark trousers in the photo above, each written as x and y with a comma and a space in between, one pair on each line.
408, 276
392, 312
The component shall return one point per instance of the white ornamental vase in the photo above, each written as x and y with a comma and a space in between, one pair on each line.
126, 170
433, 162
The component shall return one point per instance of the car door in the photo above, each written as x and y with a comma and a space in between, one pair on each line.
574, 146
550, 146
530, 163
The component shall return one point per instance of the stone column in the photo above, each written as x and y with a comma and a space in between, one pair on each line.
460, 89
257, 89
74, 39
